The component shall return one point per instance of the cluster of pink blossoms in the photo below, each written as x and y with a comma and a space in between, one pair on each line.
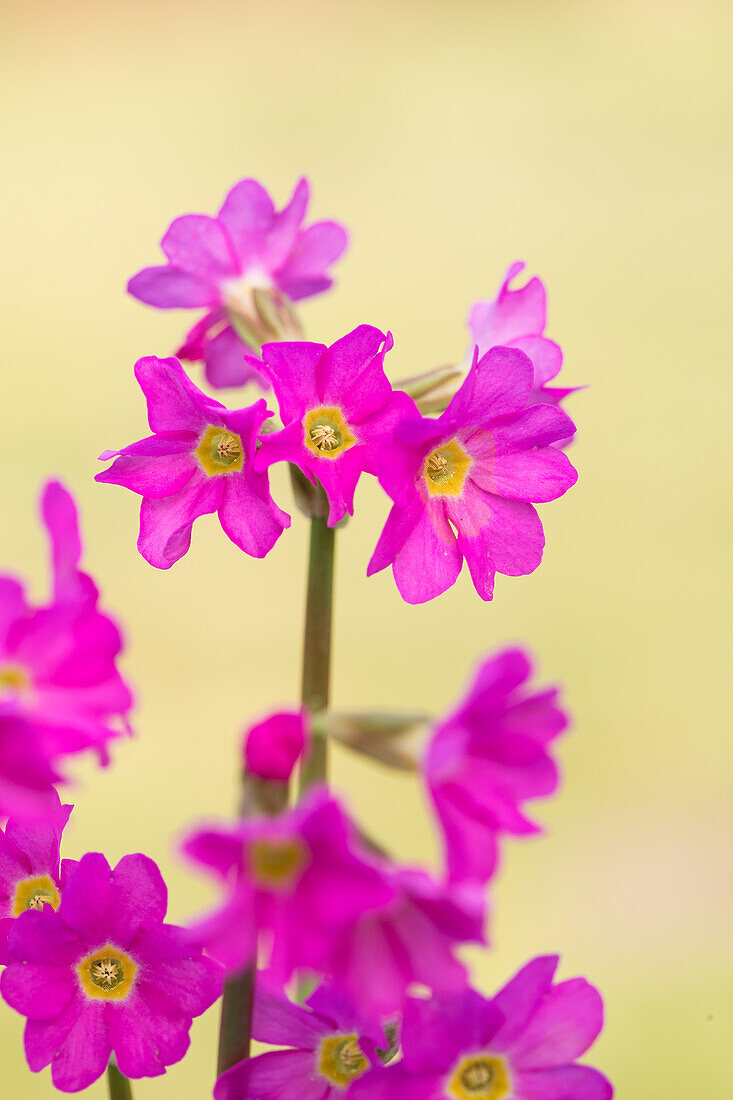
353, 961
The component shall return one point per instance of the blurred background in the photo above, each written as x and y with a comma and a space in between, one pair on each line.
593, 140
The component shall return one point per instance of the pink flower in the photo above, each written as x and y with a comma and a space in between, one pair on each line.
522, 1045
31, 872
486, 758
329, 1048
60, 689
339, 412
200, 460
517, 318
410, 938
274, 746
293, 882
468, 480
217, 264
105, 975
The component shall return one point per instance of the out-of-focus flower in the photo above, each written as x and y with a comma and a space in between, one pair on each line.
293, 883
329, 1048
412, 938
339, 412
522, 1045
200, 460
242, 267
105, 975
60, 689
273, 747
468, 479
517, 318
486, 758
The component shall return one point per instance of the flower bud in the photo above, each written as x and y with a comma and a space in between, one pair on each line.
273, 747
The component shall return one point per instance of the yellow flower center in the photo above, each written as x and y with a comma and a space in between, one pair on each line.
326, 433
108, 974
220, 451
446, 468
277, 863
13, 679
341, 1059
34, 893
480, 1077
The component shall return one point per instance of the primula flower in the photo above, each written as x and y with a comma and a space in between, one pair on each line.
486, 758
522, 1045
412, 938
105, 975
219, 263
467, 482
200, 460
517, 318
31, 872
339, 412
274, 746
296, 878
60, 689
330, 1048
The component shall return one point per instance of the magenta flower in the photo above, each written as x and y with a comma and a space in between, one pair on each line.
60, 689
31, 872
339, 412
468, 479
329, 1044
517, 318
486, 758
200, 460
522, 1045
218, 263
294, 880
105, 975
410, 938
30, 862
273, 747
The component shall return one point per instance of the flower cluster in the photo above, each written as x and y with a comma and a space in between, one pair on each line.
339, 955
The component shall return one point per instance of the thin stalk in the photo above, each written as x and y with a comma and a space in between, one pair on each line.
317, 643
235, 1028
119, 1087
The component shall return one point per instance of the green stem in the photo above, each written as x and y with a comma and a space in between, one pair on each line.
317, 643
235, 1028
119, 1087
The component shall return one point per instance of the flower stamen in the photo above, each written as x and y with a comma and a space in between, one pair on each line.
220, 451
341, 1059
108, 974
324, 437
34, 893
326, 432
482, 1077
446, 468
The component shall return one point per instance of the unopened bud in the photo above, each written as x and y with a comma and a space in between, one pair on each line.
396, 740
432, 392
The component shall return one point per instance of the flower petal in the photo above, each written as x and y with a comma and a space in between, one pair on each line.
247, 214
155, 477
520, 998
249, 516
83, 1055
567, 1022
429, 561
165, 525
199, 245
563, 1083
276, 1075
168, 288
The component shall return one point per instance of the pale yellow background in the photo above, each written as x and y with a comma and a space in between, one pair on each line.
592, 140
